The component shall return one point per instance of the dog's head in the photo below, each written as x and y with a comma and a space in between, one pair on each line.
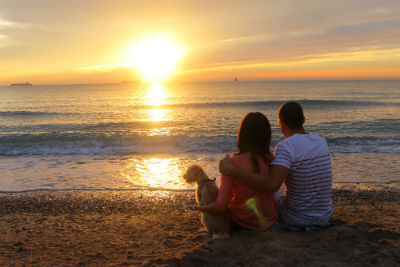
193, 174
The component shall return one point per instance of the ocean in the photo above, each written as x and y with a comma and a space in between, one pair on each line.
143, 136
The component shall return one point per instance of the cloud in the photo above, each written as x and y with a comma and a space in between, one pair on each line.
102, 67
8, 28
301, 44
6, 23
366, 27
5, 40
11, 24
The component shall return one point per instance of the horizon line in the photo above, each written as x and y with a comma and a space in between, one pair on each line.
217, 81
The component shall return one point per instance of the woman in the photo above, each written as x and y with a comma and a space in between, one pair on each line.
249, 208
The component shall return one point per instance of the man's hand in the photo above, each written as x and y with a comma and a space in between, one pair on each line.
268, 182
226, 165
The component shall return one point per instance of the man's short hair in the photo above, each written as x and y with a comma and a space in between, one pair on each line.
292, 115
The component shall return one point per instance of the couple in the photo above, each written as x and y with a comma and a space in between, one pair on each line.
252, 179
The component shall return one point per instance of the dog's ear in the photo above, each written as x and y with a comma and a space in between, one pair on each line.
188, 176
193, 173
197, 171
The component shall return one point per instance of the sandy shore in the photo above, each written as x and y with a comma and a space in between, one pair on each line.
152, 228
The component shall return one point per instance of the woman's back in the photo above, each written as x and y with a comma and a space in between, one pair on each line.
250, 208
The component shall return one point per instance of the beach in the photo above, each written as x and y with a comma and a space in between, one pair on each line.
161, 228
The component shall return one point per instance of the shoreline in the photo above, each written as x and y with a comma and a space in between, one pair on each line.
160, 228
393, 183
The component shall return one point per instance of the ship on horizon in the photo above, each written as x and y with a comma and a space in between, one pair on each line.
21, 84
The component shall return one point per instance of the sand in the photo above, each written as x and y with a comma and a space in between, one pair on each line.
153, 228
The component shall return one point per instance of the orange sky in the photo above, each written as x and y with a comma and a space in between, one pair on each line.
54, 41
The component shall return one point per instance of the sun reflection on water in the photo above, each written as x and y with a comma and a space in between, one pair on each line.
155, 172
157, 115
156, 94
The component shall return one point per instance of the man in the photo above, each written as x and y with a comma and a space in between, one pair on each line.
302, 161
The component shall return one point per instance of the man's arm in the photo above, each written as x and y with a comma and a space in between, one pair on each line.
266, 182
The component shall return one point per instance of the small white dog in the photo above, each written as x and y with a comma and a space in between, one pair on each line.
217, 224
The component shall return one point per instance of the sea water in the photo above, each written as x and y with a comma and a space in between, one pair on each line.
144, 135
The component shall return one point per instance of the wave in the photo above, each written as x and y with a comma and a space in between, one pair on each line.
115, 143
81, 127
375, 127
364, 145
110, 144
29, 113
387, 128
309, 103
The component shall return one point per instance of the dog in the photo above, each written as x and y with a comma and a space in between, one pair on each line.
217, 224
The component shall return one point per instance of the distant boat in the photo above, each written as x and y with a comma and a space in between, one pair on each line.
21, 84
236, 79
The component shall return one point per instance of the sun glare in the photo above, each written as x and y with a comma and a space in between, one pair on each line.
155, 57
156, 94
155, 172
156, 97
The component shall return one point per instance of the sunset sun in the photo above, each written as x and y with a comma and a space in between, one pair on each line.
155, 58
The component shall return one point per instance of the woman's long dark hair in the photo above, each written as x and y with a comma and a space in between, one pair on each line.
254, 137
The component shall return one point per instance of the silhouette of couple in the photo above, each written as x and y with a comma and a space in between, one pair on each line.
292, 185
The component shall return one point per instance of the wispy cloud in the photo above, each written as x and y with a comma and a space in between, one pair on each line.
366, 27
356, 56
5, 23
10, 24
6, 31
4, 39
102, 67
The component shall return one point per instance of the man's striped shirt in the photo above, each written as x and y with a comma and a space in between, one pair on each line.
309, 182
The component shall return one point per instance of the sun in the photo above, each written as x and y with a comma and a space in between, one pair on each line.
155, 57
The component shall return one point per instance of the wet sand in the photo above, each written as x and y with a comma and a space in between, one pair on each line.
160, 228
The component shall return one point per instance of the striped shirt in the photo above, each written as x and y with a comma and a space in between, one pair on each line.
307, 199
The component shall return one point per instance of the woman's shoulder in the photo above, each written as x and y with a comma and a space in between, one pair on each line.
240, 157
245, 158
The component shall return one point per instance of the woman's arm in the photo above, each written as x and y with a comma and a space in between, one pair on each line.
214, 208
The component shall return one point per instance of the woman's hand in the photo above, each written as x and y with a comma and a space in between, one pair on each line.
203, 207
214, 207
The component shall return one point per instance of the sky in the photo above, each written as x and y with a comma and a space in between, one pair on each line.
75, 41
